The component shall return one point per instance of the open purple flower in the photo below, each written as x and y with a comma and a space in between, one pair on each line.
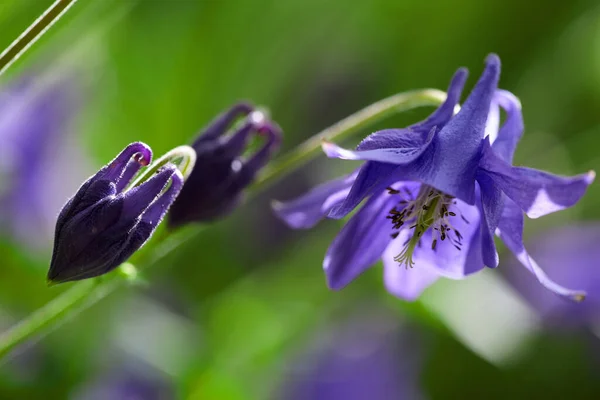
106, 222
220, 174
436, 193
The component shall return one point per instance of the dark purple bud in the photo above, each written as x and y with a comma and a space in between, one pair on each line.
104, 224
221, 173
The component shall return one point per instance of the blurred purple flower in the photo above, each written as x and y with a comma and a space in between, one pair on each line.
106, 222
569, 254
369, 358
219, 177
437, 192
126, 385
36, 156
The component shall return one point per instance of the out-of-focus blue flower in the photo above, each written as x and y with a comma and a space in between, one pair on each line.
36, 156
366, 359
220, 175
436, 193
106, 222
125, 384
570, 255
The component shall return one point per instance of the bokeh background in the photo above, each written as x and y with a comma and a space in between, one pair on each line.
242, 310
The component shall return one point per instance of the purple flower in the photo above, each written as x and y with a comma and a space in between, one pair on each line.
436, 192
126, 384
105, 222
36, 149
570, 255
366, 358
220, 175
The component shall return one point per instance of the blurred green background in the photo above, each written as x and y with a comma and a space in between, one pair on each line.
230, 314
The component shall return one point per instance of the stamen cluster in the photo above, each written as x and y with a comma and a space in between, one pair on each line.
429, 209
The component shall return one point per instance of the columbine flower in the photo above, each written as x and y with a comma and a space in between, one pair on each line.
220, 174
106, 222
569, 254
436, 193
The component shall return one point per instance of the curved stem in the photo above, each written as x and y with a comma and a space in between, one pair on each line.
33, 33
85, 293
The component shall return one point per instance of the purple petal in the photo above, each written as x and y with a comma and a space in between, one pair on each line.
511, 131
137, 199
307, 210
235, 145
221, 123
402, 282
150, 220
457, 146
415, 135
137, 151
373, 177
444, 113
273, 133
510, 230
492, 124
490, 204
537, 192
361, 242
132, 168
396, 155
157, 210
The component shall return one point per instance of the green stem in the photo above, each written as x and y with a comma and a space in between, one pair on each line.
57, 311
33, 33
85, 293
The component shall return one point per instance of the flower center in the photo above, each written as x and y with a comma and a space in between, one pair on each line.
429, 209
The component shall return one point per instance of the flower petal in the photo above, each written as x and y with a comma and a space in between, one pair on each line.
307, 210
373, 177
361, 242
445, 112
511, 131
537, 192
406, 283
137, 199
490, 205
137, 151
415, 135
221, 123
412, 149
492, 124
457, 146
159, 207
510, 230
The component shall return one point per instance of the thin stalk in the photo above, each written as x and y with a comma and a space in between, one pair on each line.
33, 33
